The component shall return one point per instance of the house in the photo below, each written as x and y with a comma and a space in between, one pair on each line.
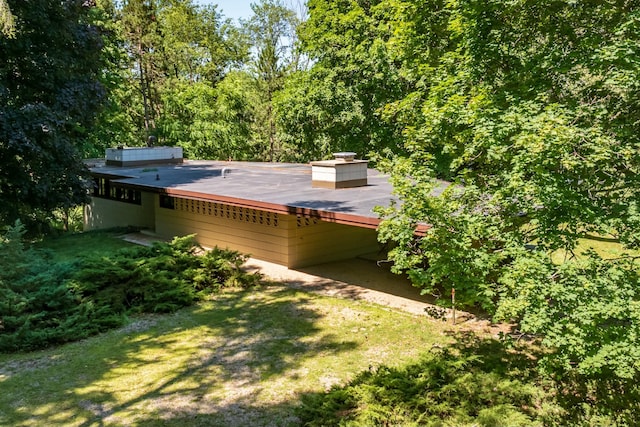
290, 214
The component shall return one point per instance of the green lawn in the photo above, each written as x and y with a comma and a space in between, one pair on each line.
73, 246
604, 246
275, 356
243, 358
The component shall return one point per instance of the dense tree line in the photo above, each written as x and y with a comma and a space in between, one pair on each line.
50, 64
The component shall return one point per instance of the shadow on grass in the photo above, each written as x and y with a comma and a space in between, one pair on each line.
211, 369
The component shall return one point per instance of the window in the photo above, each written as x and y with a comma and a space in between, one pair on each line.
167, 202
104, 188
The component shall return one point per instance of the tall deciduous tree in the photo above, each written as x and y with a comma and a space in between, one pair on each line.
338, 104
531, 110
174, 45
143, 38
49, 94
213, 122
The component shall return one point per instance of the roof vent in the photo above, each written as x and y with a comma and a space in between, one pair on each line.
341, 172
345, 156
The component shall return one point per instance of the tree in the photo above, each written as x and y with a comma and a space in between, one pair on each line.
120, 121
173, 46
140, 24
213, 122
272, 30
49, 95
530, 110
339, 104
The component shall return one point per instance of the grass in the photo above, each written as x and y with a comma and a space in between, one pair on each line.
276, 356
243, 358
605, 247
70, 247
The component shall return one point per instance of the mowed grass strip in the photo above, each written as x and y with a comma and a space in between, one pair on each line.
242, 358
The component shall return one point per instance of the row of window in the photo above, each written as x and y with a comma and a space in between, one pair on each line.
104, 188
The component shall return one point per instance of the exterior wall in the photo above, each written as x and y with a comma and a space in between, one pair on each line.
315, 242
262, 235
103, 213
283, 239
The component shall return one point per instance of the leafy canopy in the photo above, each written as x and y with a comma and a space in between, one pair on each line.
49, 95
530, 110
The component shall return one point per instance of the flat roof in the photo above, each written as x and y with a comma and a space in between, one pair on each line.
274, 187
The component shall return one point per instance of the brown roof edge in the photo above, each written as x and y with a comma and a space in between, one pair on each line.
421, 229
337, 217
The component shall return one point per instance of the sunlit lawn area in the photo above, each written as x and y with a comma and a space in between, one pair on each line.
72, 247
266, 356
603, 246
243, 358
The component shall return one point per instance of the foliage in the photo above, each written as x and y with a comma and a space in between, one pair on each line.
212, 122
118, 123
272, 31
586, 310
49, 96
470, 383
164, 48
45, 302
529, 109
338, 104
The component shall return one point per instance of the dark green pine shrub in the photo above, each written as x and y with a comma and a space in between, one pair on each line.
472, 386
43, 303
36, 307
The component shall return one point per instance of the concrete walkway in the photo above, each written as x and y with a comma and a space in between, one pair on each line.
360, 278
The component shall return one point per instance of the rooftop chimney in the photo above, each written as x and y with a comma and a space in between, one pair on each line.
139, 156
341, 172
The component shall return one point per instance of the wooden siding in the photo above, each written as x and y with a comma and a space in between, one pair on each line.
291, 240
105, 213
262, 235
315, 242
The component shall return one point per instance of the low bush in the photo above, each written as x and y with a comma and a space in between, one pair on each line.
474, 383
43, 302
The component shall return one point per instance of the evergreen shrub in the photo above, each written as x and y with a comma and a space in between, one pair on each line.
473, 385
43, 303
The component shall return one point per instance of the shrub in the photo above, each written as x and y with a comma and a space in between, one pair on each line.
474, 384
44, 303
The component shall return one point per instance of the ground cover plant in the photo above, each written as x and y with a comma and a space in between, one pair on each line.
241, 358
471, 382
47, 299
278, 356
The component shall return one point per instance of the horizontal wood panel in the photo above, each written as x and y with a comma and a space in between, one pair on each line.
262, 252
105, 213
223, 225
325, 242
261, 241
